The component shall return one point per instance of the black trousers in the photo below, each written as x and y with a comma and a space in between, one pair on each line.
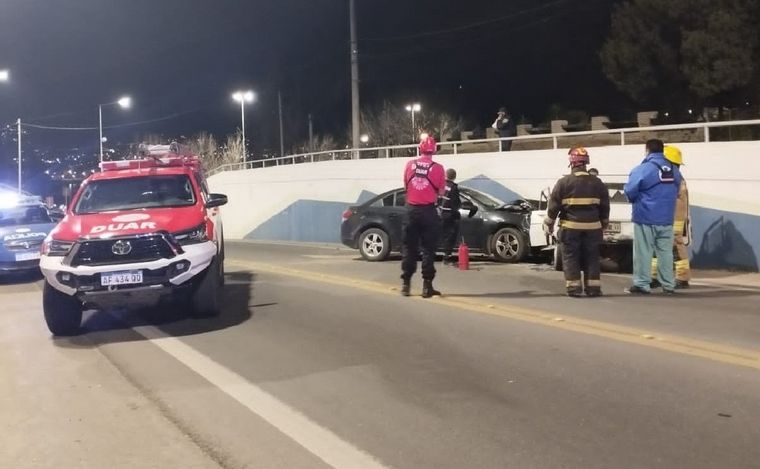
423, 228
505, 145
580, 253
450, 232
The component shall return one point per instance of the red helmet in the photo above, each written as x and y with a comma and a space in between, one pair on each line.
578, 156
428, 145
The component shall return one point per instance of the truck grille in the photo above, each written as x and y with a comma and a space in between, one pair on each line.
103, 252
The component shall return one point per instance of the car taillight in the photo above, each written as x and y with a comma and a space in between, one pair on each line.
348, 214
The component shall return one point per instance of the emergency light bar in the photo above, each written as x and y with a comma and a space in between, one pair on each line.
156, 162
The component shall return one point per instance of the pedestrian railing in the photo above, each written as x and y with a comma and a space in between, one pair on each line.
693, 132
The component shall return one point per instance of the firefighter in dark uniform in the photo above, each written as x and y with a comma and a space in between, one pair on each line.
450, 205
582, 204
425, 181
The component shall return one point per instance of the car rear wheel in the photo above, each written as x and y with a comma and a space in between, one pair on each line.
375, 245
508, 245
63, 313
206, 299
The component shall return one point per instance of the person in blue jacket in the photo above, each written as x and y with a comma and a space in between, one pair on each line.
652, 188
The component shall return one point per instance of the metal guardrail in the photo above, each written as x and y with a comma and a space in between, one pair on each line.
455, 147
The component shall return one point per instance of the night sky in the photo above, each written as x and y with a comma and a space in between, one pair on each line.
183, 58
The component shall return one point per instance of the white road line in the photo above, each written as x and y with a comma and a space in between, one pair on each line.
318, 440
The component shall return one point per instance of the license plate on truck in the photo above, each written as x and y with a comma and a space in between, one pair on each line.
613, 227
127, 277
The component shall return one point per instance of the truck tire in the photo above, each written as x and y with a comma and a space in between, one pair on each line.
206, 298
63, 313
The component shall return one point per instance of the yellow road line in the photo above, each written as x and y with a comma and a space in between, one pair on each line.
671, 343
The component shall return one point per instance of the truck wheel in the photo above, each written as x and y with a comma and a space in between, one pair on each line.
557, 261
206, 299
63, 313
509, 245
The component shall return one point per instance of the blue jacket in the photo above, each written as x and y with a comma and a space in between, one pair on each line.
653, 199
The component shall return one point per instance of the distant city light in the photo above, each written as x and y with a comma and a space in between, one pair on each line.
5, 75
364, 138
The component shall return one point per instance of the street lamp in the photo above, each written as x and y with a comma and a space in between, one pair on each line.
125, 102
413, 108
243, 97
364, 138
5, 75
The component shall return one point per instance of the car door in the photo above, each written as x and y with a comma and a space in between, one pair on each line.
396, 215
537, 236
472, 229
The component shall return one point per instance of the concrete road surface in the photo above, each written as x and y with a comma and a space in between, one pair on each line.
317, 361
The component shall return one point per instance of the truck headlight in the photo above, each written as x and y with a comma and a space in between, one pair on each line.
193, 236
54, 247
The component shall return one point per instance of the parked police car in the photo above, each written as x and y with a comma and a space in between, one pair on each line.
24, 224
139, 232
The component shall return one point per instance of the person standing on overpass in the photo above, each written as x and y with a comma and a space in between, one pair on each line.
424, 181
582, 204
506, 128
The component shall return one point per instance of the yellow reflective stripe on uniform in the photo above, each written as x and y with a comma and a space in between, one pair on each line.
572, 283
581, 201
577, 225
593, 283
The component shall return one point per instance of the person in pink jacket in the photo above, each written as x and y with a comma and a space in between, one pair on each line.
424, 181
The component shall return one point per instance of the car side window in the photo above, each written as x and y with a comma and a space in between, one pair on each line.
400, 199
388, 200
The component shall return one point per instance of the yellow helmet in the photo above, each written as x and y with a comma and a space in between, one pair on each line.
673, 154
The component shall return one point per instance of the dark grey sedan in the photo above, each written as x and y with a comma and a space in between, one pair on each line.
488, 225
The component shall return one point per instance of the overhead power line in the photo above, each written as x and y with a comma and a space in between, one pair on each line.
467, 26
129, 124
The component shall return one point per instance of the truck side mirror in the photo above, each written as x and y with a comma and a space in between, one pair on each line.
216, 200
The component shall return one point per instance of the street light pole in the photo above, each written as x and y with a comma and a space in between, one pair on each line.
355, 109
100, 130
414, 108
18, 128
242, 97
124, 102
242, 129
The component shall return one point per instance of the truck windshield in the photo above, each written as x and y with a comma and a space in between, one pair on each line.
35, 215
134, 193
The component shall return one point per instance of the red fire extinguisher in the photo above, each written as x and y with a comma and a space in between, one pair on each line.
464, 256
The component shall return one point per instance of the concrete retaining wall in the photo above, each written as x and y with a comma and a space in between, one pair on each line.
304, 202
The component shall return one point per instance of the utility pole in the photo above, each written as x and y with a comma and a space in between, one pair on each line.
355, 109
311, 133
18, 124
282, 138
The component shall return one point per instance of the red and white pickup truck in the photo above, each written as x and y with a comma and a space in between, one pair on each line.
137, 233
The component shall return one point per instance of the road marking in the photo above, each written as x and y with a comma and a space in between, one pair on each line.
671, 343
318, 440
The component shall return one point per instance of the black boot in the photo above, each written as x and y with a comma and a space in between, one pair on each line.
406, 286
574, 292
593, 292
428, 291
